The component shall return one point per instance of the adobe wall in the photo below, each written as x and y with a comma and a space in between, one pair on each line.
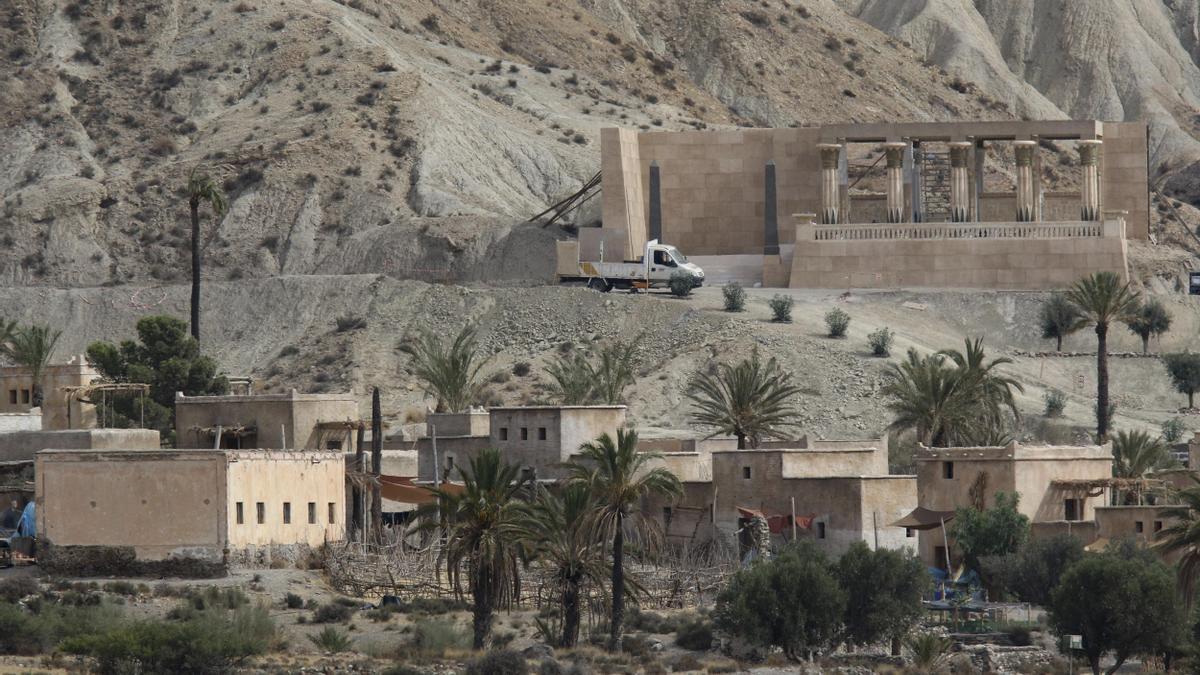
23, 445
311, 483
20, 421
159, 503
274, 416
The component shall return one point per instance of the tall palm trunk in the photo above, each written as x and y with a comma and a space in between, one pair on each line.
618, 585
39, 397
377, 464
482, 612
356, 510
570, 629
1102, 381
194, 203
741, 440
1145, 345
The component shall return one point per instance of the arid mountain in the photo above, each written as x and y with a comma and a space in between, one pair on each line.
404, 138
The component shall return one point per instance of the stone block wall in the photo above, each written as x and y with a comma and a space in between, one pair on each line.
994, 263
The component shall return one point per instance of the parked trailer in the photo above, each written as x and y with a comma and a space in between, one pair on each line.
652, 270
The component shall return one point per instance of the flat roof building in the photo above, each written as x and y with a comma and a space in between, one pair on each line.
291, 420
190, 507
59, 411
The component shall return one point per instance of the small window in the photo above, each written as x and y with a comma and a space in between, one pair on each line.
260, 511
287, 513
541, 433
504, 433
666, 515
24, 396
12, 396
820, 530
449, 462
1071, 509
909, 532
1138, 527
333, 445
1157, 525
312, 513
241, 514
947, 470
524, 433
746, 472
332, 513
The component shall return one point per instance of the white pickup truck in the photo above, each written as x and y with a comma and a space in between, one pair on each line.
653, 270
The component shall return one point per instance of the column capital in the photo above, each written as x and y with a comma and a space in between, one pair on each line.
960, 152
895, 154
1024, 152
830, 152
1089, 151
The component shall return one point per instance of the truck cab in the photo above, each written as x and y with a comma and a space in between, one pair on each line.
652, 270
665, 260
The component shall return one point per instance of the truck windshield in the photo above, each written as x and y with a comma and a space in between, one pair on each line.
679, 257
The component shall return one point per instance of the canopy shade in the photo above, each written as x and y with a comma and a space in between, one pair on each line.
922, 518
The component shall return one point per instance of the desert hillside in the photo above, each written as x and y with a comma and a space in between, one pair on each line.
376, 154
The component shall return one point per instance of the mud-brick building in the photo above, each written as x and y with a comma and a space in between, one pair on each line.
59, 410
1059, 487
291, 420
537, 438
129, 511
834, 493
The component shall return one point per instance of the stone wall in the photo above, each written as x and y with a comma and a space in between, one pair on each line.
944, 255
20, 421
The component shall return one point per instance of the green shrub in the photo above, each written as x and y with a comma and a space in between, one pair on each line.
837, 321
881, 341
498, 662
120, 588
27, 632
781, 308
695, 634
681, 284
332, 612
1020, 634
331, 640
1056, 403
521, 368
213, 642
434, 636
549, 666
15, 589
927, 649
293, 601
1173, 430
735, 297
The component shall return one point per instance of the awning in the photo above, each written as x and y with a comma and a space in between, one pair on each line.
406, 491
778, 523
1097, 546
922, 518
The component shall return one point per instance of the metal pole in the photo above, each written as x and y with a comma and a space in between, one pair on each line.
946, 550
793, 519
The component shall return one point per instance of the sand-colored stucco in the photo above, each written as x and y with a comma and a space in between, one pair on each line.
288, 420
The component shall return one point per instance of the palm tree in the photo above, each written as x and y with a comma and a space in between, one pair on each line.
201, 188
614, 372
32, 348
620, 477
748, 400
925, 394
574, 378
450, 372
1149, 319
1102, 298
1059, 318
483, 521
559, 529
1184, 535
982, 381
1137, 453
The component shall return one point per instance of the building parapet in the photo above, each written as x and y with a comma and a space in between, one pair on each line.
292, 395
968, 231
1015, 451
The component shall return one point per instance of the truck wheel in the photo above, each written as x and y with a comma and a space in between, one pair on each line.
598, 284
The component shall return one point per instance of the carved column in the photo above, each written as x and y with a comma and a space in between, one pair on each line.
960, 195
1026, 192
830, 195
1089, 188
895, 181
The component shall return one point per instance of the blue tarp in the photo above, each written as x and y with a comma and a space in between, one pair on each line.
28, 527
